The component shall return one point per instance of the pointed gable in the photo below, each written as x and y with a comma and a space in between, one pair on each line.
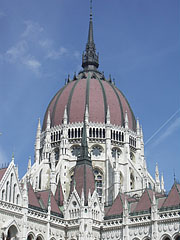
117, 207
59, 197
44, 198
173, 198
145, 201
32, 198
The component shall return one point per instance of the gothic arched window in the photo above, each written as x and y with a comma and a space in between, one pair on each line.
99, 182
116, 152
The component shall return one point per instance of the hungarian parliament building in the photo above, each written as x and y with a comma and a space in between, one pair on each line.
88, 179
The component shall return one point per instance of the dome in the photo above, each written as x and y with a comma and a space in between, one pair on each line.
92, 90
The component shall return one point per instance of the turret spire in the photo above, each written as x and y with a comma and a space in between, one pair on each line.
90, 60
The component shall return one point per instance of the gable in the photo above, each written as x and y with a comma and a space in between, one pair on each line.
173, 198
10, 190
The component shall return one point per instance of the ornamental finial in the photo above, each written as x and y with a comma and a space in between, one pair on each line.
90, 59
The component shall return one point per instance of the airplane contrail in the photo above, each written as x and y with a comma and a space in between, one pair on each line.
159, 129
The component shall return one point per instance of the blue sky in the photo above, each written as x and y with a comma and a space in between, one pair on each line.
139, 45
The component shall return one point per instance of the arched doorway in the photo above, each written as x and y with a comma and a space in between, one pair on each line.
30, 236
12, 233
39, 238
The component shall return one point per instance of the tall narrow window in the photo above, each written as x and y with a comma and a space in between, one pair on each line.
3, 195
10, 187
14, 192
40, 179
7, 190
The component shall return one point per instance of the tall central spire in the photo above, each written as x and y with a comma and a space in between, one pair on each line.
90, 59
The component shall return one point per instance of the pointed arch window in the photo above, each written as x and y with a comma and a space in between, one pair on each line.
14, 192
99, 182
40, 179
7, 190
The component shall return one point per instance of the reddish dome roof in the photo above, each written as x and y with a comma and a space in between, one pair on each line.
90, 89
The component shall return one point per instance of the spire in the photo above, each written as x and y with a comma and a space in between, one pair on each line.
126, 120
65, 117
48, 125
138, 130
90, 60
29, 163
108, 117
84, 155
83, 173
162, 183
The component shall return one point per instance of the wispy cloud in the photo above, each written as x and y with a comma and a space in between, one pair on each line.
25, 50
20, 54
32, 63
56, 54
32, 29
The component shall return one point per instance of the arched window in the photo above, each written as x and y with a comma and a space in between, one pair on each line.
132, 181
14, 192
177, 238
10, 187
40, 179
75, 132
17, 199
99, 182
90, 132
116, 152
3, 195
30, 236
12, 232
132, 157
7, 190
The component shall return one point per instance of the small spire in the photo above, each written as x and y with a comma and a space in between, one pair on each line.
86, 114
48, 121
162, 183
84, 155
12, 159
138, 130
157, 174
38, 133
90, 60
126, 120
108, 117
65, 117
29, 163
68, 80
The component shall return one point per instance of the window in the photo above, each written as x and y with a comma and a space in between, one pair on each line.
96, 150
75, 150
99, 182
3, 195
116, 152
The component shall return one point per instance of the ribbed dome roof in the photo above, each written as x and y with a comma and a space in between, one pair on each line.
90, 89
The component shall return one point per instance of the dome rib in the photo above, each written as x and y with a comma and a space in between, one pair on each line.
70, 98
87, 91
132, 115
105, 100
55, 104
120, 104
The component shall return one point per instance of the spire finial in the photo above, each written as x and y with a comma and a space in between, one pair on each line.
90, 9
90, 59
